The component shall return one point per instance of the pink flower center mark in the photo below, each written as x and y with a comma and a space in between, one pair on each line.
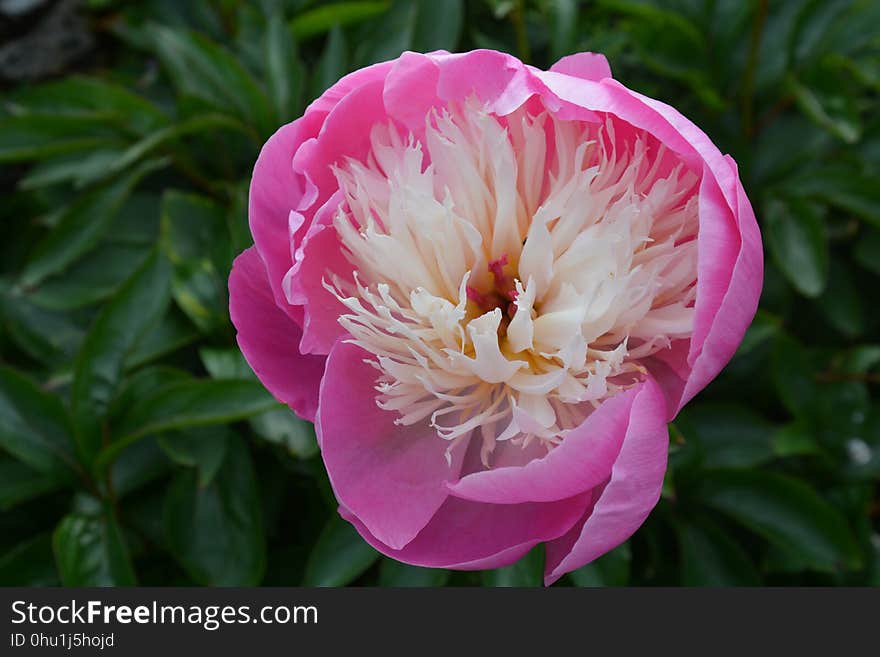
502, 295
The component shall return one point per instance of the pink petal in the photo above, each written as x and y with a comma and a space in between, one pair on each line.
632, 491
276, 190
320, 253
410, 91
345, 133
498, 79
346, 84
728, 232
670, 369
584, 65
420, 82
391, 477
719, 243
582, 461
269, 339
738, 306
473, 536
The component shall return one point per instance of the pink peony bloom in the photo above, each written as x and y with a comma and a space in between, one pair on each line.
491, 287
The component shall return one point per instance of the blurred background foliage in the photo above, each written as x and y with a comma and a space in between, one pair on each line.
137, 447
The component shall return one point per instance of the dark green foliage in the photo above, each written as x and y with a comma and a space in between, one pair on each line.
136, 446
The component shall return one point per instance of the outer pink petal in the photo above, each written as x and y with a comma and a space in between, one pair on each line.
410, 90
330, 98
276, 190
730, 274
472, 536
581, 462
269, 339
631, 493
719, 243
345, 133
585, 65
499, 79
321, 252
391, 477
419, 82
728, 232
739, 305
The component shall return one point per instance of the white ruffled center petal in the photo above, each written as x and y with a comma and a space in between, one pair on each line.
510, 273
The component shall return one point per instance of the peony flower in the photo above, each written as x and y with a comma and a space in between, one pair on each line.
491, 287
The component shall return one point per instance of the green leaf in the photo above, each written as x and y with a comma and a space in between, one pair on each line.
333, 63
83, 97
80, 228
51, 338
322, 18
19, 483
841, 302
671, 44
285, 73
763, 327
172, 333
90, 550
527, 571
215, 532
201, 448
142, 383
134, 309
188, 404
281, 427
833, 113
224, 364
794, 376
795, 233
396, 574
195, 239
728, 435
91, 279
611, 569
812, 23
237, 218
861, 359
205, 70
861, 443
386, 39
794, 439
34, 426
785, 145
204, 123
79, 169
709, 557
138, 220
841, 410
786, 512
339, 556
137, 466
563, 18
437, 25
35, 137
867, 249
30, 563
842, 186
